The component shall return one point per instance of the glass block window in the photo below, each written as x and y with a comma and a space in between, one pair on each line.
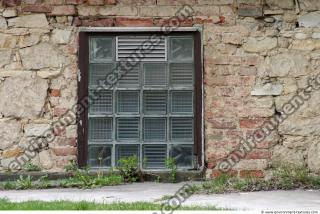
149, 111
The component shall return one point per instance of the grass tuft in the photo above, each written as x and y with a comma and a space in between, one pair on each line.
83, 205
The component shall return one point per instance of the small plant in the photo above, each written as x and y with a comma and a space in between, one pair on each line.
72, 166
172, 166
8, 185
44, 182
128, 168
30, 167
24, 182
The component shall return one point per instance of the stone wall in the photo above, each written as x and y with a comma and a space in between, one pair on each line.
257, 54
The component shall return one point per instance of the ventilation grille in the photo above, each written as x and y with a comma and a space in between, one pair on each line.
181, 129
101, 103
154, 156
100, 129
181, 102
183, 154
99, 156
130, 78
142, 47
155, 102
155, 129
128, 102
181, 74
98, 73
124, 151
128, 129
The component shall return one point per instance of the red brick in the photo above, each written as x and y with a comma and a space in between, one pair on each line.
133, 22
258, 154
96, 2
247, 71
251, 173
110, 2
65, 10
64, 151
63, 141
55, 2
222, 124
206, 20
222, 144
59, 132
251, 123
97, 23
55, 92
75, 2
252, 60
217, 173
36, 8
11, 3
233, 135
62, 161
173, 22
58, 111
225, 91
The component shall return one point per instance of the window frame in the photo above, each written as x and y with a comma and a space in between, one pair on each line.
83, 85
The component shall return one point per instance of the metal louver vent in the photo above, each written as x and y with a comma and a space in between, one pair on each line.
128, 129
181, 74
154, 156
155, 129
155, 102
181, 129
130, 78
100, 129
142, 47
102, 102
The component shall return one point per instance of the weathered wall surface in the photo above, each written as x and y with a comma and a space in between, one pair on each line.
257, 54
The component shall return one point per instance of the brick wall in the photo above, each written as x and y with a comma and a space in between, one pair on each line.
257, 54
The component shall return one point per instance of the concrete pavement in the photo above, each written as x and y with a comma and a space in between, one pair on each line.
152, 192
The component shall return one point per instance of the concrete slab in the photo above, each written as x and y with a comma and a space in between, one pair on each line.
151, 192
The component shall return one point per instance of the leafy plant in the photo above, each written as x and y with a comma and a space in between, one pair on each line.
30, 167
172, 166
128, 168
72, 166
44, 182
24, 182
8, 185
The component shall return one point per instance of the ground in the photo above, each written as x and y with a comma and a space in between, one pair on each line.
152, 192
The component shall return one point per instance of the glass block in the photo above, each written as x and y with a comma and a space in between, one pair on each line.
155, 74
128, 129
101, 102
155, 102
181, 74
183, 154
181, 49
128, 102
130, 77
98, 73
124, 151
154, 156
181, 102
181, 129
100, 129
155, 129
101, 49
99, 156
